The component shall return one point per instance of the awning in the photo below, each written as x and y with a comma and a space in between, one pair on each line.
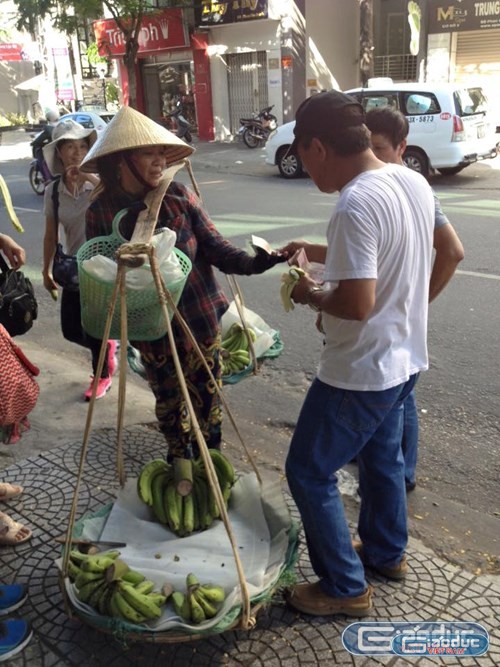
35, 83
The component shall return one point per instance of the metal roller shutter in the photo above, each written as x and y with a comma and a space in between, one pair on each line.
247, 81
478, 52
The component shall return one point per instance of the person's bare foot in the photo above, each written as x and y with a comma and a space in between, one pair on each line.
12, 532
8, 491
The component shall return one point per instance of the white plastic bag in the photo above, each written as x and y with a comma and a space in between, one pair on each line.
265, 334
138, 278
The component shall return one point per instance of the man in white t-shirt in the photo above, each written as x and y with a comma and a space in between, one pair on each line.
374, 312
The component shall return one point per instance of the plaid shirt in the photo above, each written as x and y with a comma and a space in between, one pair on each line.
203, 302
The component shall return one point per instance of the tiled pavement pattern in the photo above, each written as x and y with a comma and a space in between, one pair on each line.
433, 590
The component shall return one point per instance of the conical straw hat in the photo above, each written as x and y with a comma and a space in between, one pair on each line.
131, 129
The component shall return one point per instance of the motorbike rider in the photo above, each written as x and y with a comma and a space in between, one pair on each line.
44, 138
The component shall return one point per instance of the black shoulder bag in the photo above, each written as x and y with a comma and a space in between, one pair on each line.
64, 267
18, 306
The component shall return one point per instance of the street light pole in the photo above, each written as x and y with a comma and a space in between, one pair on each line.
101, 70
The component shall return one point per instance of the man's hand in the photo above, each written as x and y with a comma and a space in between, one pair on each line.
301, 291
315, 252
291, 248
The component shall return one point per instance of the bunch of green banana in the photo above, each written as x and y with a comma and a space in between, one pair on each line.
108, 585
134, 604
204, 498
199, 603
89, 574
235, 355
158, 468
183, 514
157, 487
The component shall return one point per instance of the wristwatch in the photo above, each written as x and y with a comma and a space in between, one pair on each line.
309, 295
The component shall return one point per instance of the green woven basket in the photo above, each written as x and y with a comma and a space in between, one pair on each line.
145, 316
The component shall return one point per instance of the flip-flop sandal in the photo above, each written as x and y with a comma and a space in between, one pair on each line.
12, 532
8, 491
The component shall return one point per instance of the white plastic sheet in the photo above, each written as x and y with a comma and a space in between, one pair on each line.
261, 536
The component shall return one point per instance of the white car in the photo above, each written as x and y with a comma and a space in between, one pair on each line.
451, 126
91, 120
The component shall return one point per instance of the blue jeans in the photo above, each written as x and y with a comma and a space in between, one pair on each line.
334, 426
409, 442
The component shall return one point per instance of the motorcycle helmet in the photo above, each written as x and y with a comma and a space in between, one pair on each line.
52, 116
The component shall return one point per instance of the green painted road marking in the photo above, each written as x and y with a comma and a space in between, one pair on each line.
473, 212
477, 274
236, 225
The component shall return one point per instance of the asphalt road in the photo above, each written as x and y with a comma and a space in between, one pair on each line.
458, 397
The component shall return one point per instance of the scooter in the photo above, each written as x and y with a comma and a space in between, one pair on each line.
183, 125
39, 174
256, 130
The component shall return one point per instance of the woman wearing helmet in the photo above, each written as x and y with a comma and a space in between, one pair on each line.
65, 203
130, 156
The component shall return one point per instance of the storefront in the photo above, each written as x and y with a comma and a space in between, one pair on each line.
169, 70
168, 81
275, 52
244, 54
464, 44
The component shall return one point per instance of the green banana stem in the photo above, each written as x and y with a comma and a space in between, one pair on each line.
183, 476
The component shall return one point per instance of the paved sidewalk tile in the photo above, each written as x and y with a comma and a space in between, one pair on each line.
433, 590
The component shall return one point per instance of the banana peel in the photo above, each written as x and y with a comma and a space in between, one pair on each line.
9, 207
288, 282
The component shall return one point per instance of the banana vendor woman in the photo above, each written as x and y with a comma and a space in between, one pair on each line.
130, 156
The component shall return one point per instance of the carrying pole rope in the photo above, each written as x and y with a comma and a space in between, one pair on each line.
88, 423
240, 307
247, 621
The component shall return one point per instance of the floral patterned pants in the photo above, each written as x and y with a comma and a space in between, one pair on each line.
171, 407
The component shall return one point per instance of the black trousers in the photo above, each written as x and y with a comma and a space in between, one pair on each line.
71, 325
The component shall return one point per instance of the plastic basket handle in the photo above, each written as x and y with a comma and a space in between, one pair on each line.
116, 224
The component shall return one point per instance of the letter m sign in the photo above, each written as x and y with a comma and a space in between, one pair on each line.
444, 14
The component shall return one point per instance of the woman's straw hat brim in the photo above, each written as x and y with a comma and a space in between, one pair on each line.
131, 129
68, 130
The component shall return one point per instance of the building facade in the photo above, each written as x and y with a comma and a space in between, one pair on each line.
225, 60
459, 42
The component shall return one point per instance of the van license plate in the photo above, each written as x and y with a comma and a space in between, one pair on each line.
481, 131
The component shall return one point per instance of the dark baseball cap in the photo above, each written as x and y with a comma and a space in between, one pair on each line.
322, 115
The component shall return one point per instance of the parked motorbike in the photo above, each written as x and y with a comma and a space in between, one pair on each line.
256, 130
183, 125
39, 173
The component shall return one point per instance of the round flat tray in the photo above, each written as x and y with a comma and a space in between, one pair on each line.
232, 619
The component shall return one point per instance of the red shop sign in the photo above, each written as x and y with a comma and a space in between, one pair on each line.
11, 52
159, 31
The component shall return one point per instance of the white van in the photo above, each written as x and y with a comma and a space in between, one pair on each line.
451, 126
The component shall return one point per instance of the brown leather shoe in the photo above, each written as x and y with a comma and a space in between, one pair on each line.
395, 572
310, 599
